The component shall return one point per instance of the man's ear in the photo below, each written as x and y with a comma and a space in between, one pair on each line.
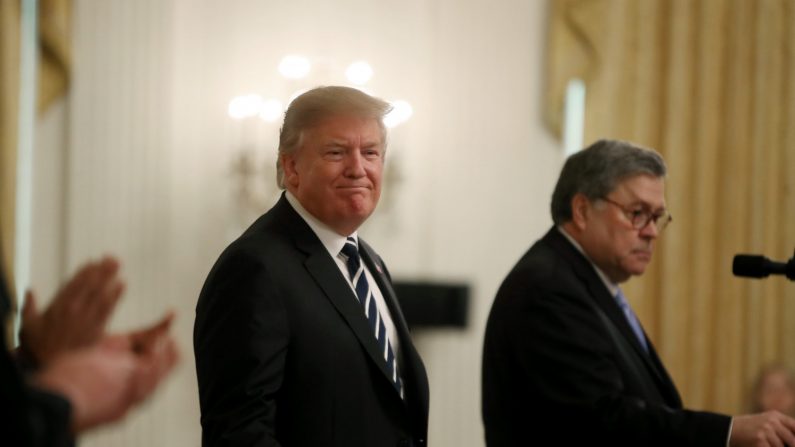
580, 210
288, 166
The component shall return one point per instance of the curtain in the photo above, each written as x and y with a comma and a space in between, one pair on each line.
709, 84
53, 70
9, 105
55, 57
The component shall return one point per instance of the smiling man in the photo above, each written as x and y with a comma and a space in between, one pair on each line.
566, 361
299, 339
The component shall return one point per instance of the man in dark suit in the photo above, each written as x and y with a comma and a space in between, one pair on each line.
566, 362
299, 339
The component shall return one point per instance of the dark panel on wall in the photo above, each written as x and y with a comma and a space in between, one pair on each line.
429, 305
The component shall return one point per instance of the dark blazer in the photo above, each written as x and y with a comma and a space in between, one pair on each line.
285, 355
29, 417
561, 365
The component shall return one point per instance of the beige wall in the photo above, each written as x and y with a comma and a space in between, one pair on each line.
136, 162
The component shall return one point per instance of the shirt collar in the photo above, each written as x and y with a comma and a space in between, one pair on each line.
328, 237
611, 286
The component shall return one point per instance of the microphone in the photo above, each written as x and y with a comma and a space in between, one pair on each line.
756, 266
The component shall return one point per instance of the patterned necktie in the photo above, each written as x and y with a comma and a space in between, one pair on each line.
350, 253
632, 319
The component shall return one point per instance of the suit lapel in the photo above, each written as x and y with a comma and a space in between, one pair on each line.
385, 285
585, 271
411, 368
608, 304
328, 277
335, 287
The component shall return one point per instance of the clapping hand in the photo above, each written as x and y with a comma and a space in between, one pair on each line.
76, 317
101, 375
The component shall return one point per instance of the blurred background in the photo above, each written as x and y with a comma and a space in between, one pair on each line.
148, 130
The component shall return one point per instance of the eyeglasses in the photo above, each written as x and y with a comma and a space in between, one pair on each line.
640, 217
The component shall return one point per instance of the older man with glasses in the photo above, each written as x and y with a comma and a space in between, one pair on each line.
566, 361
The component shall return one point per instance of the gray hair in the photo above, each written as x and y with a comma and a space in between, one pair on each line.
313, 106
596, 171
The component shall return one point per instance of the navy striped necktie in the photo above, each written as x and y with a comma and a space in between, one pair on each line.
350, 253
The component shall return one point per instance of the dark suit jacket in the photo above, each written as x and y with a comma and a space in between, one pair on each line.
285, 355
29, 417
561, 365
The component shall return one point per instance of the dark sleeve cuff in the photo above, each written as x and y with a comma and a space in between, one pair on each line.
712, 429
50, 419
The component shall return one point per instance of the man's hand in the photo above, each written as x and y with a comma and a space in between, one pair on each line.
102, 376
769, 429
77, 316
155, 350
103, 382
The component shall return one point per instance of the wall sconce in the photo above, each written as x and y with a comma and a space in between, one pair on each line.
253, 167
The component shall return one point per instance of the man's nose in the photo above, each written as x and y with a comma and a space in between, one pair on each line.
354, 164
650, 229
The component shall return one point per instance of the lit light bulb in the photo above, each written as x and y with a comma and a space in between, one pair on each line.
245, 106
271, 110
294, 66
359, 72
401, 112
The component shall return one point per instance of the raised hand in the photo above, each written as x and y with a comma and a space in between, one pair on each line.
76, 317
104, 382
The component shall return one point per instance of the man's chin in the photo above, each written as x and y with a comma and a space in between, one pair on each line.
356, 213
360, 204
360, 214
638, 269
